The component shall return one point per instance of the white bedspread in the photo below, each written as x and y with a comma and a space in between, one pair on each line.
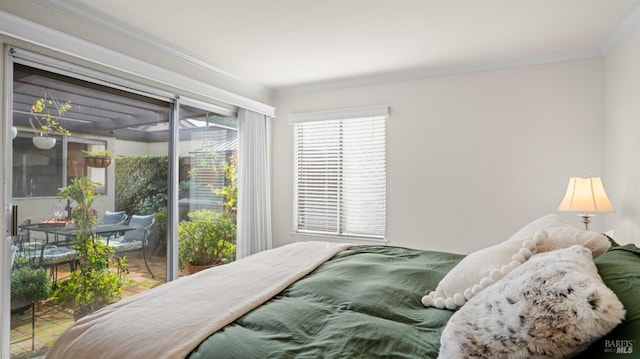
170, 321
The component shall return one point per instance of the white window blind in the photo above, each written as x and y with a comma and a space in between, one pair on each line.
340, 169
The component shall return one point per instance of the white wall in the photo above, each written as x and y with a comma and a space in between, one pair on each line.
622, 131
471, 157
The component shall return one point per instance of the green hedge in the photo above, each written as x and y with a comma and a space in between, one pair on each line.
141, 183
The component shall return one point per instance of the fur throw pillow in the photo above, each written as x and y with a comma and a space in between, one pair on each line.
552, 306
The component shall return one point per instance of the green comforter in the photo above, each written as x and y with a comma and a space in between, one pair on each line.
365, 302
619, 268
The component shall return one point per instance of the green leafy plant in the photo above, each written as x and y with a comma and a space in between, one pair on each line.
139, 181
28, 284
142, 187
41, 120
81, 190
94, 284
230, 190
207, 238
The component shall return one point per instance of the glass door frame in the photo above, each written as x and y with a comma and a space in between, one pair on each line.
5, 258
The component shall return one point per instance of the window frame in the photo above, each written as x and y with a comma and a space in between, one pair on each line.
339, 117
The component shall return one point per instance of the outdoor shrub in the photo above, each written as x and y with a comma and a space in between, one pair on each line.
138, 179
206, 238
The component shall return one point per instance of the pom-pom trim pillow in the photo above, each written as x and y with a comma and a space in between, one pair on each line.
482, 268
486, 262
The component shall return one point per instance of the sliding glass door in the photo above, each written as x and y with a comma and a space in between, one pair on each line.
117, 138
208, 187
162, 168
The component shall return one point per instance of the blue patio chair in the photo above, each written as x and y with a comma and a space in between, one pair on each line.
136, 239
52, 256
40, 253
114, 217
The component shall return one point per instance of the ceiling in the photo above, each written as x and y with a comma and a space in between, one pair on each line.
284, 44
290, 43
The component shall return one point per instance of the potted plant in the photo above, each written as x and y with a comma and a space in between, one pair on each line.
28, 285
207, 239
44, 124
95, 283
97, 158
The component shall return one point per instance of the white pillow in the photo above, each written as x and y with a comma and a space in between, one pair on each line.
554, 305
479, 270
482, 268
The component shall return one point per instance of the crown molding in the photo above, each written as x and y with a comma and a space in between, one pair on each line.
82, 13
440, 72
630, 22
28, 31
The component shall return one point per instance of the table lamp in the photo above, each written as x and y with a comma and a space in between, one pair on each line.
585, 195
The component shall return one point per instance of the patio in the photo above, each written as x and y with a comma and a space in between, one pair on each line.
51, 319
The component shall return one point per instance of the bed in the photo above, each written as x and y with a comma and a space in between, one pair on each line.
341, 302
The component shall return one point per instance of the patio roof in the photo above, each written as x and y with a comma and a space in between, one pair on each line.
104, 111
230, 145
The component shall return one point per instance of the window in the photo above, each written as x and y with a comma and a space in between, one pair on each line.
41, 173
77, 166
36, 172
340, 172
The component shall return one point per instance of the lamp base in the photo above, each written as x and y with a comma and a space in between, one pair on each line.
586, 219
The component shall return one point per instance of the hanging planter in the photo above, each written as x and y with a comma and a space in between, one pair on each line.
97, 162
98, 159
44, 142
43, 123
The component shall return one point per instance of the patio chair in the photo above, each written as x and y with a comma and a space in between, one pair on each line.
52, 256
40, 253
136, 239
114, 217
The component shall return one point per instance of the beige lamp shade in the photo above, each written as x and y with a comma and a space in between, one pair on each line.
585, 194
